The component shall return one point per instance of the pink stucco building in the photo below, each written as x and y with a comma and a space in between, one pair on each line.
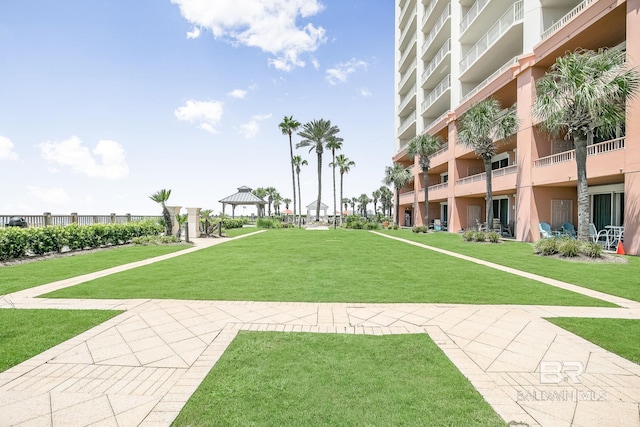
452, 54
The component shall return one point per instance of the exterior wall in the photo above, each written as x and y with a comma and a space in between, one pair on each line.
545, 171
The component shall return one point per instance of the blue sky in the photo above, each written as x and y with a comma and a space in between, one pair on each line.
104, 102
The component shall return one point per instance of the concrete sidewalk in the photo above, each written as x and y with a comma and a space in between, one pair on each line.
141, 367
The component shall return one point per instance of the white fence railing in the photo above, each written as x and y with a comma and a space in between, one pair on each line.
471, 14
64, 220
446, 14
437, 92
437, 59
566, 18
483, 176
592, 150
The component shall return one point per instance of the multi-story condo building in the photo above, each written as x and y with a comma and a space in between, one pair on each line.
451, 54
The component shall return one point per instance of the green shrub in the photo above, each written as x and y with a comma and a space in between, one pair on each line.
267, 223
420, 229
592, 250
393, 227
371, 226
479, 236
546, 246
493, 236
467, 235
568, 247
44, 240
14, 242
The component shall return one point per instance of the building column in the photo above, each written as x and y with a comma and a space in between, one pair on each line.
632, 142
193, 220
173, 212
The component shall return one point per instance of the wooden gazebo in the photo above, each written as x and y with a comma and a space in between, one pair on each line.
243, 197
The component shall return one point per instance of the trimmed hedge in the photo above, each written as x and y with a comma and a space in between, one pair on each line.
19, 242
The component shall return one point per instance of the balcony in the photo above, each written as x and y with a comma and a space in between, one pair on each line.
444, 148
404, 36
472, 14
428, 10
512, 16
566, 18
497, 184
444, 18
406, 124
438, 191
489, 79
409, 53
406, 99
407, 198
592, 150
445, 49
405, 10
436, 93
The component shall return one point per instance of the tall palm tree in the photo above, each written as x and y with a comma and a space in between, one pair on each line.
261, 193
298, 162
316, 134
288, 126
277, 201
354, 200
582, 96
364, 200
424, 146
271, 192
205, 219
346, 202
334, 143
386, 199
482, 127
344, 166
375, 196
398, 176
161, 197
287, 202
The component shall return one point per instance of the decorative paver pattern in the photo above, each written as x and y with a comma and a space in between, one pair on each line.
141, 367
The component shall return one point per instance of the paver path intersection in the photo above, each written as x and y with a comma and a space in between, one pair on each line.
140, 367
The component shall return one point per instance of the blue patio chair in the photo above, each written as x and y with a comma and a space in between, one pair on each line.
569, 230
545, 230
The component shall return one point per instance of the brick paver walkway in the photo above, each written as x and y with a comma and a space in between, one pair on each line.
141, 367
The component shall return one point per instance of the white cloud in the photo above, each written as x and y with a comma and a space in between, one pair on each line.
315, 63
341, 72
238, 93
206, 114
251, 128
106, 160
6, 149
53, 195
194, 33
268, 25
365, 92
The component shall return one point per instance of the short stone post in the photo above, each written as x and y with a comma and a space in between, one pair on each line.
173, 212
47, 218
193, 221
113, 218
74, 217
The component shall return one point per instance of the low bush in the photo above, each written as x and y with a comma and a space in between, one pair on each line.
592, 250
546, 246
19, 242
420, 229
493, 237
267, 223
371, 226
568, 247
479, 236
155, 240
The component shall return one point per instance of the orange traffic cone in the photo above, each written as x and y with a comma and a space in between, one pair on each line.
620, 249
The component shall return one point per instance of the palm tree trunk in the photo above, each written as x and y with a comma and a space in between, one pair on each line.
489, 175
299, 203
319, 186
583, 189
341, 195
333, 153
425, 182
397, 206
293, 178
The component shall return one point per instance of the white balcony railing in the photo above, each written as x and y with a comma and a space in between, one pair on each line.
443, 149
483, 176
566, 18
407, 97
403, 78
489, 79
406, 122
437, 119
446, 14
406, 9
427, 11
471, 14
408, 49
437, 59
512, 16
592, 150
444, 85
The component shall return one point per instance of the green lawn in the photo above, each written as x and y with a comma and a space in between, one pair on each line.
26, 333
17, 277
619, 279
323, 266
619, 336
296, 379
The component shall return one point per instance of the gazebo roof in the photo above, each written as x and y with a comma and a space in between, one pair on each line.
244, 196
313, 205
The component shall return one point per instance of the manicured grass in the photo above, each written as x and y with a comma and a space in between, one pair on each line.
619, 279
235, 232
619, 336
323, 266
23, 276
295, 379
26, 333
